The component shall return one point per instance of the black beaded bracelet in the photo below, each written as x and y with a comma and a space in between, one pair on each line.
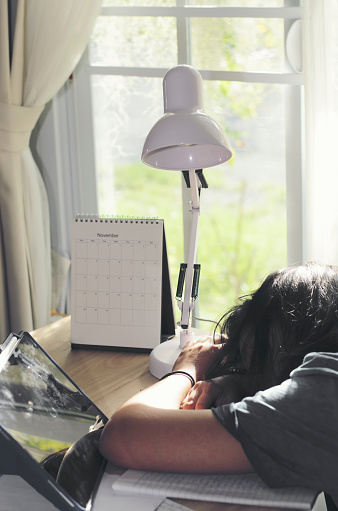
187, 375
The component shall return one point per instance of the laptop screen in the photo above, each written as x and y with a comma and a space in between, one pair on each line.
50, 418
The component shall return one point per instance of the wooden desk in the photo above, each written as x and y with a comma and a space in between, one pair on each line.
109, 378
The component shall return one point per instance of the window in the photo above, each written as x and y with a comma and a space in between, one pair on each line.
251, 213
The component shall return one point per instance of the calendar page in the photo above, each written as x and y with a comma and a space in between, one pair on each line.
116, 282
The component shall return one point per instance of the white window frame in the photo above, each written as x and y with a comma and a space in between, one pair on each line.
71, 126
294, 173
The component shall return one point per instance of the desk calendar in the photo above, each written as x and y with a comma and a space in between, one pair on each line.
121, 293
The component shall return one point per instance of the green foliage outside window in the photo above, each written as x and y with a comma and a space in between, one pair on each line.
238, 245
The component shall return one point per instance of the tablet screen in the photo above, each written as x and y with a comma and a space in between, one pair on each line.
50, 417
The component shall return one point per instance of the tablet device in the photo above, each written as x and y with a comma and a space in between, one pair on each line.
49, 429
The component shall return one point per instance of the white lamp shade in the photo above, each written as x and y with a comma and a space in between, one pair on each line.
185, 137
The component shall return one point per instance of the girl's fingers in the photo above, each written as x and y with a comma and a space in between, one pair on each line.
191, 399
207, 397
201, 396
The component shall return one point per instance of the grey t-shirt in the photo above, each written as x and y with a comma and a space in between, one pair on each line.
290, 432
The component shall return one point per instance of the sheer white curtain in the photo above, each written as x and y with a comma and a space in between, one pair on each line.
50, 36
320, 50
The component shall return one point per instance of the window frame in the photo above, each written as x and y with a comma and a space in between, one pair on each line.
66, 132
294, 99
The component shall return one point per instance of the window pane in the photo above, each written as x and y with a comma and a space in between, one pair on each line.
238, 44
129, 41
125, 108
244, 208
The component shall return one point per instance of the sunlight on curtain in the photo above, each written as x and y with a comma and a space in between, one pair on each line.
48, 42
320, 44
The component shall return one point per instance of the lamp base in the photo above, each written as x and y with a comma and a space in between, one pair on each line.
163, 357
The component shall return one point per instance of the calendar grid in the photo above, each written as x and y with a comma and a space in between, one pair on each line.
116, 282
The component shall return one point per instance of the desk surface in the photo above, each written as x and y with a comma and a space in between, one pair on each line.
109, 378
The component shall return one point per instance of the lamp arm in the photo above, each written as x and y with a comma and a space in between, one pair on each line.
187, 305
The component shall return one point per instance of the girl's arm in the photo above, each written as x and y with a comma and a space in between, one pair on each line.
150, 432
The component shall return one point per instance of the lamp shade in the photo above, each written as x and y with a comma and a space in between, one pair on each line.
185, 137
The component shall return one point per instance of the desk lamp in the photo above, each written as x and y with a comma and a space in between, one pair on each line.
185, 139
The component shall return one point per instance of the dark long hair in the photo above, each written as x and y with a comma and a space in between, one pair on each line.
293, 312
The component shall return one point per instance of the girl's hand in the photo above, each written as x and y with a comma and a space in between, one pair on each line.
197, 356
203, 395
216, 392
